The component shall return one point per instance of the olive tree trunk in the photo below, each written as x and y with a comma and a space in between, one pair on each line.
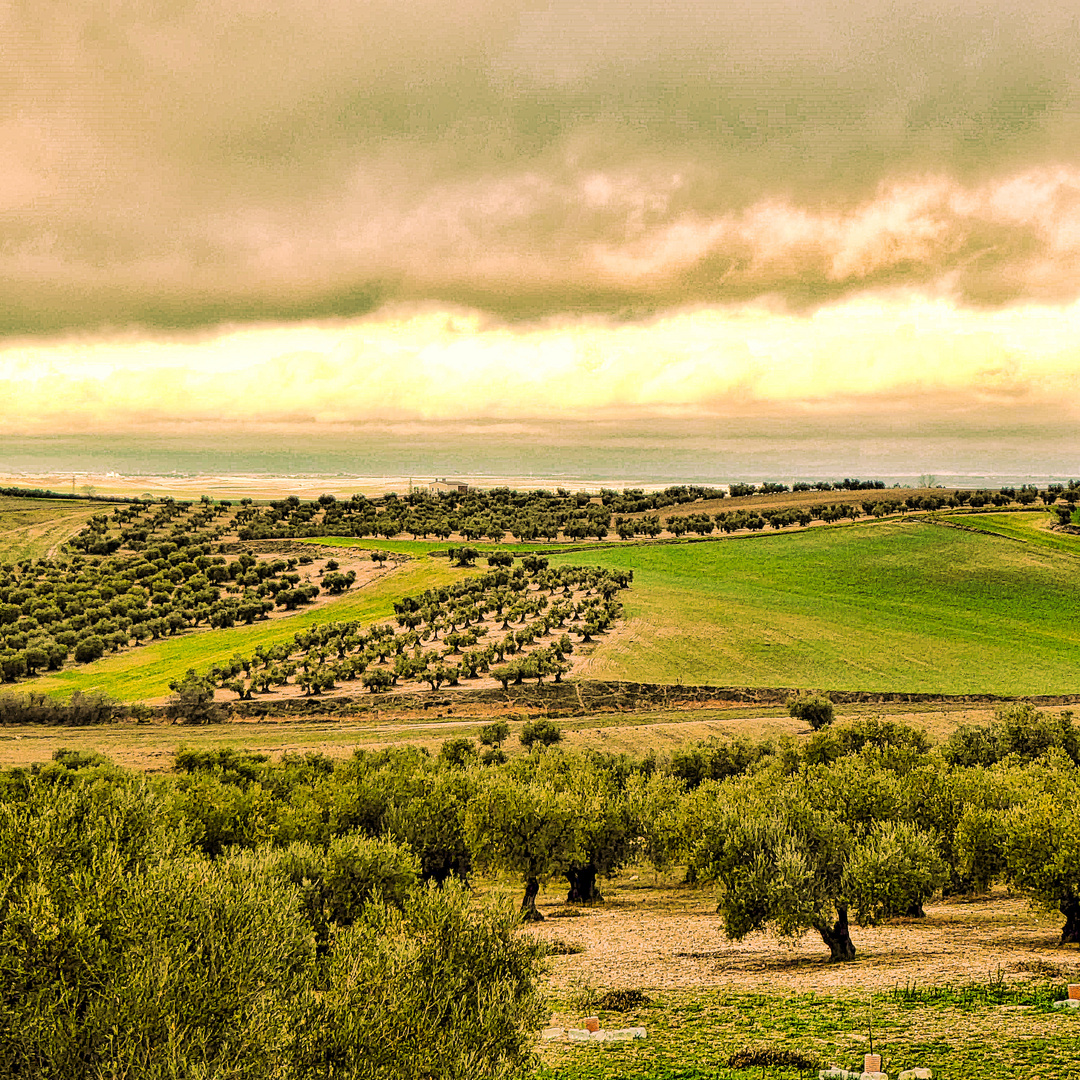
837, 936
1070, 908
583, 888
528, 905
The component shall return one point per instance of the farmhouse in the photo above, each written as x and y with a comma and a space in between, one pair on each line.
439, 486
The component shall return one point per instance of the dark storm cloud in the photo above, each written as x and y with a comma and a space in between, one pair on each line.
186, 163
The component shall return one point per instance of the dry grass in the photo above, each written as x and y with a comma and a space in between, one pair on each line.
35, 528
152, 746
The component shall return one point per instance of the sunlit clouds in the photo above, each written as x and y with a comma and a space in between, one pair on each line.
220, 212
861, 356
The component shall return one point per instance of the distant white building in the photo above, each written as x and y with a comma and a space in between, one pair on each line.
438, 486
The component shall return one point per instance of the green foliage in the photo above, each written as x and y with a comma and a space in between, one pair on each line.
334, 884
456, 987
193, 700
123, 952
1042, 846
540, 733
495, 733
79, 710
715, 759
892, 871
1019, 731
852, 738
459, 751
814, 709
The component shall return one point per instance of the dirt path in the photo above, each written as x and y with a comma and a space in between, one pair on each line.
672, 939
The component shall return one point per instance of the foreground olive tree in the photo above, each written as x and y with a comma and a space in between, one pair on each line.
1042, 846
521, 827
781, 861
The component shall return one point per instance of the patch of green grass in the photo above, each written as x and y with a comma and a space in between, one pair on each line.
30, 528
1029, 526
693, 1035
889, 606
144, 673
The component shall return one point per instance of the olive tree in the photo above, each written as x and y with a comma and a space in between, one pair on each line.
781, 860
1042, 846
522, 827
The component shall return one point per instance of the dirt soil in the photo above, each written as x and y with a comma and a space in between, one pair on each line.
672, 939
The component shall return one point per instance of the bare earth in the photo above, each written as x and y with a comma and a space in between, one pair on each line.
672, 939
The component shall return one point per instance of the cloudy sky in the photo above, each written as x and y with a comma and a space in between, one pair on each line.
392, 210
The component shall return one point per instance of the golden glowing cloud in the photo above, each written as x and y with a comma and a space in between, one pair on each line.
864, 355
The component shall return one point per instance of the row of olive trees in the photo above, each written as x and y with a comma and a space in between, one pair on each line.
52, 610
862, 823
512, 623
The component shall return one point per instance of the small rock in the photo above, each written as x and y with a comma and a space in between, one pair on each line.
1067, 1003
916, 1074
553, 1033
873, 1076
619, 1035
834, 1072
578, 1035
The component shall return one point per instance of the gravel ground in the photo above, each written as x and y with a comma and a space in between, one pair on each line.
672, 939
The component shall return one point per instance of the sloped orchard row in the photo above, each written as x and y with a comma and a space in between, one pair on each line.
51, 610
526, 613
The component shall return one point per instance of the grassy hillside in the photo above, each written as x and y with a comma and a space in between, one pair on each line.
30, 528
889, 606
893, 605
1030, 527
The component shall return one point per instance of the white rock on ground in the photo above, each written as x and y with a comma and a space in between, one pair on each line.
834, 1072
618, 1034
581, 1035
916, 1074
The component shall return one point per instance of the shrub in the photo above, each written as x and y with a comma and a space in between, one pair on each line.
457, 986
815, 709
494, 734
88, 649
540, 733
1018, 730
459, 751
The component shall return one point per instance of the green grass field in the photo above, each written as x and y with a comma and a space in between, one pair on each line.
1030, 527
977, 1032
31, 528
144, 673
902, 606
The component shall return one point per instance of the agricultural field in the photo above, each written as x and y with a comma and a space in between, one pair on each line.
956, 965
967, 603
35, 528
1027, 527
892, 605
966, 991
144, 673
685, 818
